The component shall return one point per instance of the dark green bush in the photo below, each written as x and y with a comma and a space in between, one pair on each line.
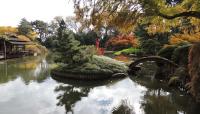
180, 54
98, 65
71, 52
167, 52
150, 47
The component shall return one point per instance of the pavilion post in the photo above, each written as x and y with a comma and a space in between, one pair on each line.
5, 51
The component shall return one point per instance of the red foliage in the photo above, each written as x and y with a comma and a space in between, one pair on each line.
122, 41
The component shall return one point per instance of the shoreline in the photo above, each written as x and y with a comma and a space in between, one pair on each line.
81, 76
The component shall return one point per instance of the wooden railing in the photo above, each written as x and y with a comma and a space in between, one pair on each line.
17, 54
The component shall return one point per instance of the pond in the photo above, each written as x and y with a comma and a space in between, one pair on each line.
26, 87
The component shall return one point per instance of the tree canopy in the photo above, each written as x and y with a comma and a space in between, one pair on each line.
123, 14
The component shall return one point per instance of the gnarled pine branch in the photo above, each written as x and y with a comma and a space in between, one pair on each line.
195, 14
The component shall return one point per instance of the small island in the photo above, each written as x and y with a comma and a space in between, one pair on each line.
82, 62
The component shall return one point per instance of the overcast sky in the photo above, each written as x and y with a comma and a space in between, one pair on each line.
12, 11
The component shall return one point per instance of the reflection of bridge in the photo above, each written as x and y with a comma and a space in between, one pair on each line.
159, 60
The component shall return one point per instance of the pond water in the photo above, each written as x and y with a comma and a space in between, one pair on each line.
26, 87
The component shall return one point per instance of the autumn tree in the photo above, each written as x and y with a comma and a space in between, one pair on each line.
121, 42
123, 14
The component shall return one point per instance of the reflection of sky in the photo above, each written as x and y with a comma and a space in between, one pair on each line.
102, 100
34, 98
40, 98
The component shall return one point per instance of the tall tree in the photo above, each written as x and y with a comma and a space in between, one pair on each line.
62, 27
24, 27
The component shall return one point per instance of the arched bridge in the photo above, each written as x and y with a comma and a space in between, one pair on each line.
157, 59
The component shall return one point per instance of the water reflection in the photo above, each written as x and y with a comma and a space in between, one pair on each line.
34, 98
27, 88
31, 68
160, 99
102, 99
124, 108
70, 96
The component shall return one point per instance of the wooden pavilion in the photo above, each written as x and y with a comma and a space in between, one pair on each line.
13, 47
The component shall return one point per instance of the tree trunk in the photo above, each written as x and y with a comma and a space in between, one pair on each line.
194, 71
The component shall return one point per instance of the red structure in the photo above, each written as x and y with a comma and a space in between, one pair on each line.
100, 51
97, 43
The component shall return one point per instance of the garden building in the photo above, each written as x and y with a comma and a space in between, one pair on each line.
13, 47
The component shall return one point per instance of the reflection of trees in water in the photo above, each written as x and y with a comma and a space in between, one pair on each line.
161, 99
123, 108
148, 69
154, 102
75, 90
30, 68
70, 95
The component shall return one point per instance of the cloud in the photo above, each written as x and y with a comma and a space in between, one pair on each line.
12, 11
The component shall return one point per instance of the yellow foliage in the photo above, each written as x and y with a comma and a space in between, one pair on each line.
8, 30
37, 49
159, 24
23, 38
32, 35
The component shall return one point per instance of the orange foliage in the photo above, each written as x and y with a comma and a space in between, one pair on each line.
122, 58
179, 38
122, 41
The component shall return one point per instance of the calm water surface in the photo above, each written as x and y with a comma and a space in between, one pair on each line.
26, 87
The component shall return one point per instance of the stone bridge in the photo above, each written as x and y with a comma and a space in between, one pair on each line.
160, 61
